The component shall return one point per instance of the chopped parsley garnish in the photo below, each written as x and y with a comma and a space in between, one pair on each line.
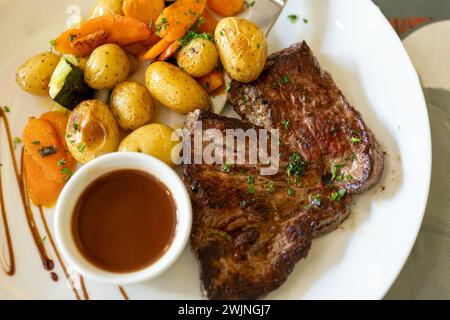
228, 86
191, 35
251, 185
336, 168
243, 204
81, 147
227, 168
206, 85
61, 163
200, 21
349, 178
286, 124
72, 37
6, 109
314, 201
355, 140
271, 187
338, 196
150, 25
76, 126
47, 151
67, 172
296, 166
249, 4
293, 18
285, 79
162, 25
291, 192
17, 141
305, 20
36, 142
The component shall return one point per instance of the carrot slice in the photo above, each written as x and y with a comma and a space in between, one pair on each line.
42, 142
59, 121
171, 50
177, 19
121, 30
151, 41
156, 50
226, 8
212, 81
209, 22
146, 11
42, 192
135, 49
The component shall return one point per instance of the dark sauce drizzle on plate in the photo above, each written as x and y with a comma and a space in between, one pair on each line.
7, 257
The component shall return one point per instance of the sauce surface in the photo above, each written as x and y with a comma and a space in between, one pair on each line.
124, 221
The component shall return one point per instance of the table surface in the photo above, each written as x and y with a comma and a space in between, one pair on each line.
435, 9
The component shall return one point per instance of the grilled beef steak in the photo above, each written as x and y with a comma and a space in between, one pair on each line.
249, 230
295, 95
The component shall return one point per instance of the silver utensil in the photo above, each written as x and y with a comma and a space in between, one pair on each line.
264, 12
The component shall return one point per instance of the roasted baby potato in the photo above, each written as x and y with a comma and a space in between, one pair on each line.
132, 105
107, 66
107, 7
153, 139
198, 58
175, 89
34, 75
91, 131
242, 48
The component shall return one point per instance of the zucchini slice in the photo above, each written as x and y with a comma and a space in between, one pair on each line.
67, 86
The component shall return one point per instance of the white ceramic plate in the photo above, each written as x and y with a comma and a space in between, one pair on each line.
362, 258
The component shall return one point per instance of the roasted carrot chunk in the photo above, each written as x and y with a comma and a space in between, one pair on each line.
146, 11
47, 163
41, 191
105, 29
156, 50
59, 121
207, 22
212, 81
178, 18
171, 50
226, 8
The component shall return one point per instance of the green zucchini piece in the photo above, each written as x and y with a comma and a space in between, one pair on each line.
67, 86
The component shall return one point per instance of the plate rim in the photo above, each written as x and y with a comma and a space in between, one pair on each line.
387, 284
428, 153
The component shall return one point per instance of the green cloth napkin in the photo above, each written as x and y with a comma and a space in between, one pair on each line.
426, 275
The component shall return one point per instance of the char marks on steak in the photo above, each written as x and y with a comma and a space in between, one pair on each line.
248, 243
322, 126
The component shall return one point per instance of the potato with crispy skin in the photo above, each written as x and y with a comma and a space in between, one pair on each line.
242, 48
91, 131
198, 58
132, 105
175, 89
107, 66
107, 7
154, 139
34, 75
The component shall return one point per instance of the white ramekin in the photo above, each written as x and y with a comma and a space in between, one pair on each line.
88, 174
